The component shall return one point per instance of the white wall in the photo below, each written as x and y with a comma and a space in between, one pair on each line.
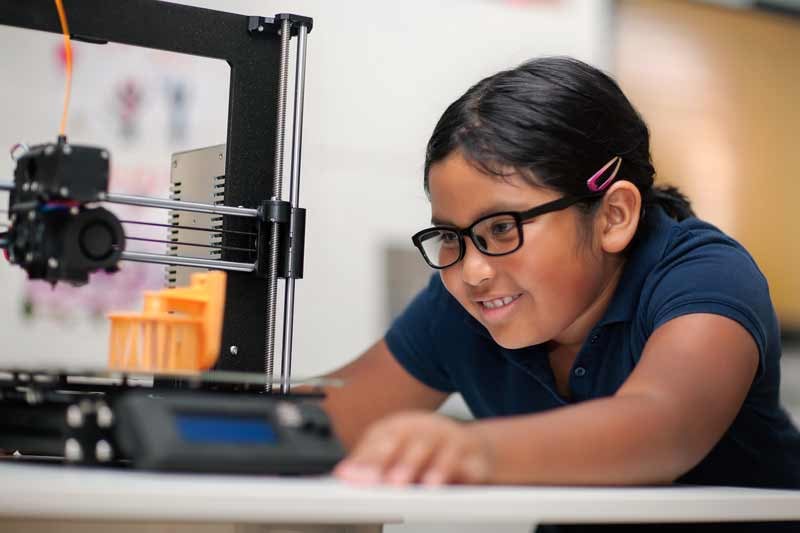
379, 75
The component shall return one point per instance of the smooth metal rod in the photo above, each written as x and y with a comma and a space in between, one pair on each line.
163, 203
288, 319
294, 200
6, 186
162, 259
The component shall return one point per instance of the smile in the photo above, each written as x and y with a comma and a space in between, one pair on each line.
497, 303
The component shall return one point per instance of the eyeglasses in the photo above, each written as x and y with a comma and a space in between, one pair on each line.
494, 235
499, 233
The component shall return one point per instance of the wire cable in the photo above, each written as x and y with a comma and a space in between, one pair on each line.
62, 16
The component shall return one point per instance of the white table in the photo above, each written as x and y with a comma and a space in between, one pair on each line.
52, 498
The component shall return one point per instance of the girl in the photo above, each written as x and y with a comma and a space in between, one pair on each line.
599, 332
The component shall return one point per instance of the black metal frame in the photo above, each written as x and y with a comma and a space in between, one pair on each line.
253, 56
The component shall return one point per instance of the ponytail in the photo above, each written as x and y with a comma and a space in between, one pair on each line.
673, 201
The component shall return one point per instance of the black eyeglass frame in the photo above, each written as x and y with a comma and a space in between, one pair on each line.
520, 217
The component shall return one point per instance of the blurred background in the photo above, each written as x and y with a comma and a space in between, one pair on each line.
716, 81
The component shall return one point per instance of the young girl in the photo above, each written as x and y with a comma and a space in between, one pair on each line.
599, 332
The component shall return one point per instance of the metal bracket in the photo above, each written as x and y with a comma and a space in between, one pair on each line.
290, 224
272, 25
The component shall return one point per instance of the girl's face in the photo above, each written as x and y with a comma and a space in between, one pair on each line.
559, 285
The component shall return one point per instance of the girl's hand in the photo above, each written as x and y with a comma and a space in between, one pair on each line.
421, 448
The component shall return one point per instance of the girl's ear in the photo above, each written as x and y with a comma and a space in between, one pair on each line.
619, 216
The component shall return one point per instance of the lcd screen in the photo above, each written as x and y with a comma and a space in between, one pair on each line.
205, 429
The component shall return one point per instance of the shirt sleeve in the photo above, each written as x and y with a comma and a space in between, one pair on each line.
412, 337
716, 276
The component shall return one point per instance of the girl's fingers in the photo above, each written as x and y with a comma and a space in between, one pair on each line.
442, 469
368, 462
416, 449
411, 461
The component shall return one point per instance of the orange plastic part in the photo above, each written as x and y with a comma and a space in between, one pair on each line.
179, 329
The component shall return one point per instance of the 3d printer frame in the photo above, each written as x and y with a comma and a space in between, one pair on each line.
257, 51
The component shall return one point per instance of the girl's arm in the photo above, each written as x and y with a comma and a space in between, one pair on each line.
684, 393
375, 385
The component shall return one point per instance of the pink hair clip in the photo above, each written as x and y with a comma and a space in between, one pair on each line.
592, 182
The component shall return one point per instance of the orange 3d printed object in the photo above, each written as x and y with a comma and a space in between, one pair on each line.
178, 330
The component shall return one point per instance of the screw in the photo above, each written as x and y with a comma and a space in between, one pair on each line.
52, 263
74, 210
103, 451
49, 150
220, 156
34, 186
104, 154
31, 215
26, 187
74, 416
289, 414
63, 191
73, 451
234, 350
29, 257
175, 164
67, 149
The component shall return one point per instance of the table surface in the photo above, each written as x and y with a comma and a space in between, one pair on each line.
61, 492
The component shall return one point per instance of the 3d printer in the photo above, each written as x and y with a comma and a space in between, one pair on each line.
229, 419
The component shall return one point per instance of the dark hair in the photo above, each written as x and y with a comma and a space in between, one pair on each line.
556, 120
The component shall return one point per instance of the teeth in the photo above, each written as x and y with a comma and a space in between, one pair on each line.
499, 302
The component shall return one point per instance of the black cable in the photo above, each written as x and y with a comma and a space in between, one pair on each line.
178, 243
194, 228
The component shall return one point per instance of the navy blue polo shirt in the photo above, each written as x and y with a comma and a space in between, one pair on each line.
673, 269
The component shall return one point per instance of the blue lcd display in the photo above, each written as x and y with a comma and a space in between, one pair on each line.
206, 429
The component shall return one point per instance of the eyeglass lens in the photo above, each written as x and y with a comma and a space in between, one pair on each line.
496, 235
